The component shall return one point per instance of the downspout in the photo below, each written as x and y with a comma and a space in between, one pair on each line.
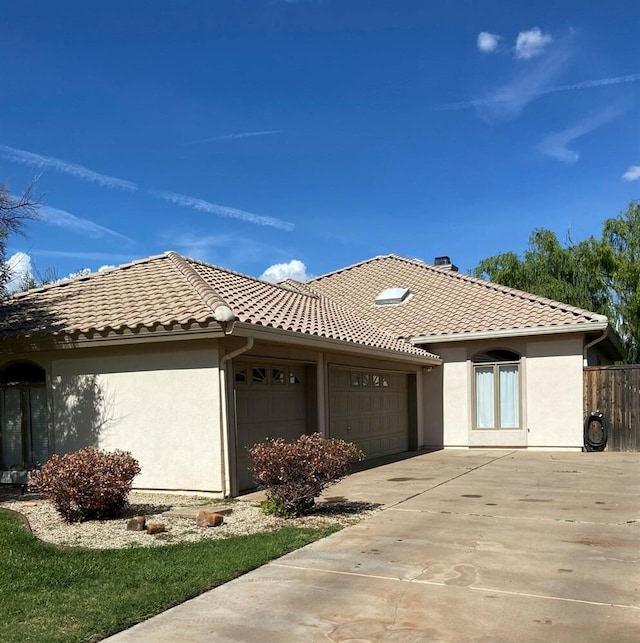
224, 415
597, 340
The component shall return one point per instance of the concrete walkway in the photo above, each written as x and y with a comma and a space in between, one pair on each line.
471, 546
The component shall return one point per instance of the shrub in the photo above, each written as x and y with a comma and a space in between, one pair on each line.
295, 473
87, 484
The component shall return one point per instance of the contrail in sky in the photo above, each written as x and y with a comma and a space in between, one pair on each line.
64, 219
66, 167
587, 84
228, 137
221, 210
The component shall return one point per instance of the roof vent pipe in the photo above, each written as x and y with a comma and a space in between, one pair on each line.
445, 263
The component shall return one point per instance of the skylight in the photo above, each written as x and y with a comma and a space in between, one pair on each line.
391, 296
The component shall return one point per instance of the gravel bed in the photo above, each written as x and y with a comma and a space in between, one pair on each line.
245, 518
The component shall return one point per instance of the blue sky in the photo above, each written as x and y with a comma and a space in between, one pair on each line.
251, 133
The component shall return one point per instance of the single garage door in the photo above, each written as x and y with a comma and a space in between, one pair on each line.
369, 408
271, 402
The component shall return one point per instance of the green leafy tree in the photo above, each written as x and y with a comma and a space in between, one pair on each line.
621, 237
600, 275
14, 214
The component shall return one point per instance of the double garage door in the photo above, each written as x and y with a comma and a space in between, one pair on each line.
367, 407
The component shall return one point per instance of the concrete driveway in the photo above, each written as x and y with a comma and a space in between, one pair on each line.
470, 546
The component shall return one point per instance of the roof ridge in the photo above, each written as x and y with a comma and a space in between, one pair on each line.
245, 276
353, 265
221, 310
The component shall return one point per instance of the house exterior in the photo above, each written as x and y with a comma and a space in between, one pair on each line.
187, 365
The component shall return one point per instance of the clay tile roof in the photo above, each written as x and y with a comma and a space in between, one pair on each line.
145, 294
442, 302
295, 309
168, 291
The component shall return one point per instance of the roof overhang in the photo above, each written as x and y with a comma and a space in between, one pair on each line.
324, 343
557, 329
125, 337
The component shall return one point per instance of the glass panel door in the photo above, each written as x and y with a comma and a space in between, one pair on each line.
11, 428
509, 397
485, 413
39, 426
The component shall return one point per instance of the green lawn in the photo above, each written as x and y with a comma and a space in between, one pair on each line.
53, 594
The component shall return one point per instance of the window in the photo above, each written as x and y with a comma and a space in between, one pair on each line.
368, 379
267, 375
496, 377
259, 375
24, 433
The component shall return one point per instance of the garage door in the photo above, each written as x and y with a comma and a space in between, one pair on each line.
271, 402
369, 408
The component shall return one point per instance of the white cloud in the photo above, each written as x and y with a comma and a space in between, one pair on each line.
228, 137
488, 42
556, 145
65, 167
532, 43
295, 269
632, 174
107, 266
221, 210
19, 265
63, 219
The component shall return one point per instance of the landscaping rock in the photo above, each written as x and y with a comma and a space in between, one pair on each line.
138, 523
156, 528
209, 519
191, 512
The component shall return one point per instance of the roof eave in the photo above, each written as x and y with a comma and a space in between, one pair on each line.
556, 329
143, 335
326, 343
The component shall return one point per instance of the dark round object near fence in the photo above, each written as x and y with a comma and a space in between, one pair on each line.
595, 432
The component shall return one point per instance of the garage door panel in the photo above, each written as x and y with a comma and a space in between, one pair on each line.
271, 402
369, 408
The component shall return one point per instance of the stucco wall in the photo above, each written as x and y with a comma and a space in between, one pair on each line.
554, 393
551, 394
162, 405
455, 396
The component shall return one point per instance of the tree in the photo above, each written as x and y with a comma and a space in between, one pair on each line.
621, 237
600, 275
14, 214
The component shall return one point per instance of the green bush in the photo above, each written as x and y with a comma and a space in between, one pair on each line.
295, 473
87, 484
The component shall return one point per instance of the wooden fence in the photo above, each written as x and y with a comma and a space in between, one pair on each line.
615, 392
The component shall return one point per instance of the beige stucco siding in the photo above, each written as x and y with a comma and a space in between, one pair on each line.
455, 396
162, 405
550, 388
554, 393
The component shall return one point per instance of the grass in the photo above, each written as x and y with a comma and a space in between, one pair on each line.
52, 594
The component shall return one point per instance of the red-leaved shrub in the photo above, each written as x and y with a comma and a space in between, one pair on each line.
87, 484
295, 473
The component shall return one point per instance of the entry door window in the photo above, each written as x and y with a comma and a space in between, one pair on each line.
497, 390
24, 435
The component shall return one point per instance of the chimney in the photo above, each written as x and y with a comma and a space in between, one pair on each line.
445, 263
